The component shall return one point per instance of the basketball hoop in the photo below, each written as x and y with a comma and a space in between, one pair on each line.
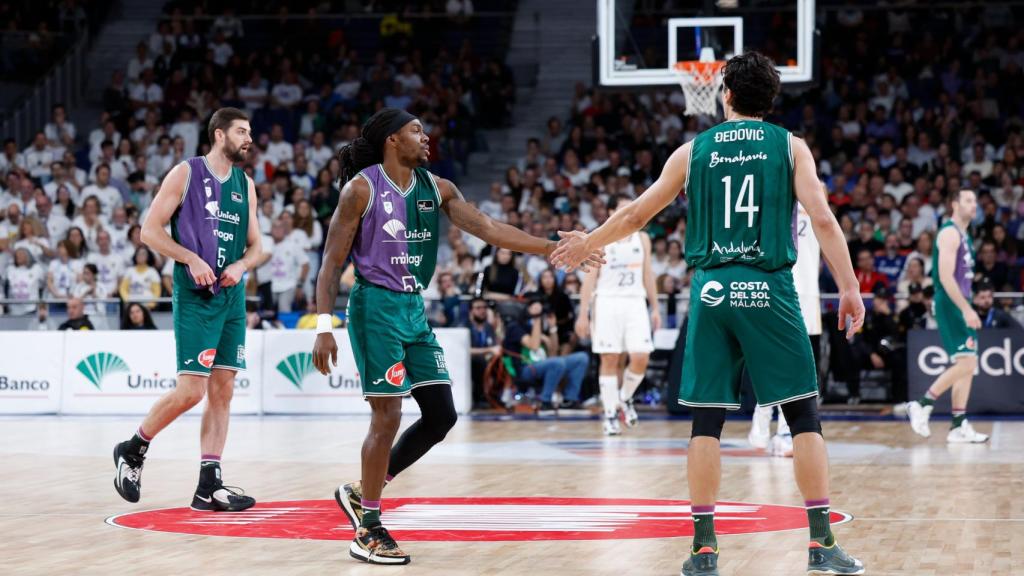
700, 82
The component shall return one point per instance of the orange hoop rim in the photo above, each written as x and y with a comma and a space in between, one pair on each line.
698, 70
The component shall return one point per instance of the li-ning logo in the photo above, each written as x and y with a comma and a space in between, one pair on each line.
710, 299
296, 367
96, 366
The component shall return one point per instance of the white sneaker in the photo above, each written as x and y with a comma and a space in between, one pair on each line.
965, 434
782, 445
612, 426
629, 414
900, 410
760, 428
919, 416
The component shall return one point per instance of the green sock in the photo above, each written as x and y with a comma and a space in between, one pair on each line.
818, 521
926, 401
371, 518
958, 419
704, 529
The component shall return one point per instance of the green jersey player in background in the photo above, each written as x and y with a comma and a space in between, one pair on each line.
743, 178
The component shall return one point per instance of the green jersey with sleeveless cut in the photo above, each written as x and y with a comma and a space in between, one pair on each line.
958, 339
395, 251
213, 222
740, 239
740, 196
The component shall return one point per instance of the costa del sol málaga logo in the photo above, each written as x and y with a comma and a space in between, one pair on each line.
96, 366
295, 367
710, 299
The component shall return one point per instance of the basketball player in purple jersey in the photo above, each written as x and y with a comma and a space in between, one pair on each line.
210, 205
387, 221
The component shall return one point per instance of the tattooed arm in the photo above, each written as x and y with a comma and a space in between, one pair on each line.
355, 196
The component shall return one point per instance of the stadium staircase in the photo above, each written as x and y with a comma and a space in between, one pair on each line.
549, 53
130, 22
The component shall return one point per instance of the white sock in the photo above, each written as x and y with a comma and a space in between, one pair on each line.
609, 394
630, 382
783, 425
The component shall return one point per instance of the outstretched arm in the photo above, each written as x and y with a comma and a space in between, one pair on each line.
633, 217
355, 196
466, 217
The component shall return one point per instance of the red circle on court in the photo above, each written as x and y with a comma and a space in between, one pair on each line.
476, 519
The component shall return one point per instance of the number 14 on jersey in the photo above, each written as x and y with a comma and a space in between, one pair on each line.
744, 203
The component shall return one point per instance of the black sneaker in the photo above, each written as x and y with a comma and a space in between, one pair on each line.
546, 407
221, 498
376, 546
128, 474
569, 405
350, 499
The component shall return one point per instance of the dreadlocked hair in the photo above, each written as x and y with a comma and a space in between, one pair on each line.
368, 148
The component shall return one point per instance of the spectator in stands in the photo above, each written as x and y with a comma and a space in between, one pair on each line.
77, 318
287, 93
141, 281
278, 150
531, 345
501, 279
37, 158
445, 309
136, 317
865, 240
32, 237
556, 301
923, 251
991, 316
483, 342
103, 191
289, 267
146, 96
868, 277
676, 264
988, 269
913, 274
60, 134
914, 313
25, 281
890, 262
882, 346
62, 273
89, 222
109, 264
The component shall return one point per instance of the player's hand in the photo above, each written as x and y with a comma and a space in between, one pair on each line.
325, 353
851, 313
972, 319
655, 320
583, 327
201, 272
232, 274
572, 252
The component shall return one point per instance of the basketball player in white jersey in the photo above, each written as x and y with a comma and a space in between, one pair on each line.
620, 291
805, 277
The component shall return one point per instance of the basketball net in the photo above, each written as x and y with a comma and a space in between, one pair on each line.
701, 82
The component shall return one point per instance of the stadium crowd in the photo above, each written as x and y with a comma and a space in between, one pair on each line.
72, 203
895, 127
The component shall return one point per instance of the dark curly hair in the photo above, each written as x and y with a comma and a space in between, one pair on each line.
754, 83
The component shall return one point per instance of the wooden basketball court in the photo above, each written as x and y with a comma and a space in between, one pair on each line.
919, 507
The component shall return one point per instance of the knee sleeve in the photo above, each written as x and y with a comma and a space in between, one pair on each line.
437, 409
708, 422
802, 416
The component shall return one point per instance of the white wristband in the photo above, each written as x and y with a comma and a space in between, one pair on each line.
324, 323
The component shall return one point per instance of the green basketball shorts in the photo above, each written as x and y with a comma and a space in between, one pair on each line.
394, 348
742, 316
957, 338
209, 331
